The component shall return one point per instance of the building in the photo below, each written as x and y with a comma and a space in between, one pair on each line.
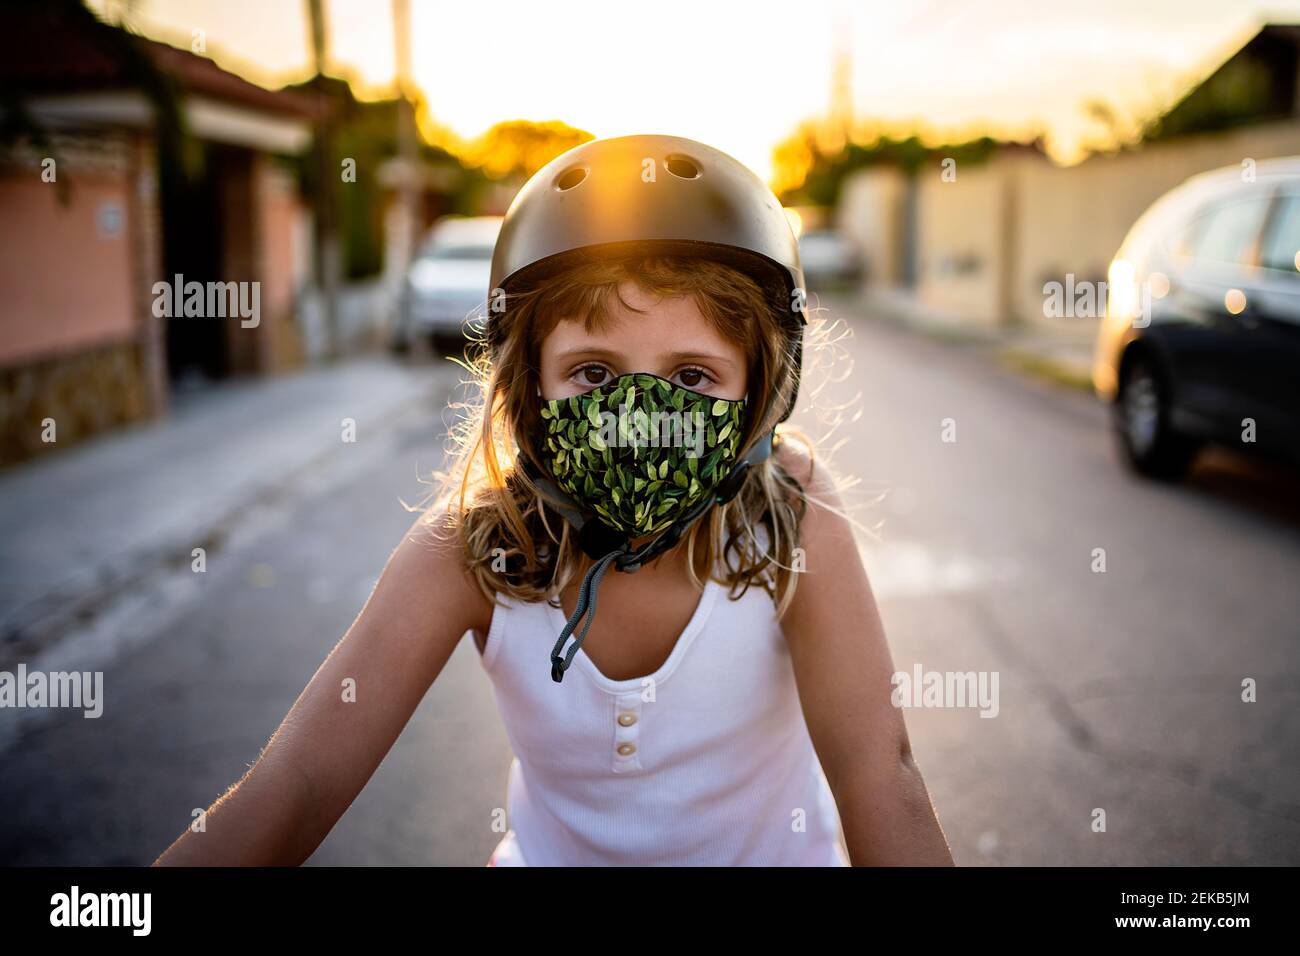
978, 246
125, 164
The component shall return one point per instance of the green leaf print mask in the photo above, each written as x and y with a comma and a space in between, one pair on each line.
640, 451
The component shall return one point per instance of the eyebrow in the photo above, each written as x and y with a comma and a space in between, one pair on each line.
672, 356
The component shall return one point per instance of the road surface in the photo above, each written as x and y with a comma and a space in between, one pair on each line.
1119, 691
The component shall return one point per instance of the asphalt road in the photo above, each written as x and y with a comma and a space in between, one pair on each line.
1118, 691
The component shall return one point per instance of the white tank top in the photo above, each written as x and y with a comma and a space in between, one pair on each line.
706, 762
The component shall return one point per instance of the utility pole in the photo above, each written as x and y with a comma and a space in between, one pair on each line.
406, 131
325, 212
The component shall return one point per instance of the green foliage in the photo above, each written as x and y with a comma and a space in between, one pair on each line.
821, 187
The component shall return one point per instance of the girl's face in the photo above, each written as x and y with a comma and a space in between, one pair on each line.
670, 338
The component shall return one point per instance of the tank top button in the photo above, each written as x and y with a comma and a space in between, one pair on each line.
626, 750
627, 719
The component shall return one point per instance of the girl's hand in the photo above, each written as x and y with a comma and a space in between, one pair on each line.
844, 672
330, 742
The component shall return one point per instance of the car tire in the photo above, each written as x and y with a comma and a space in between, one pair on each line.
1150, 445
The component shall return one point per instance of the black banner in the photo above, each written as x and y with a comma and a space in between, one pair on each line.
336, 904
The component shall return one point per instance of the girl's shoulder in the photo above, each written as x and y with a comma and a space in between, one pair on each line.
825, 522
434, 547
797, 458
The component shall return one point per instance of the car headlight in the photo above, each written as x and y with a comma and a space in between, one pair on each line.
1123, 291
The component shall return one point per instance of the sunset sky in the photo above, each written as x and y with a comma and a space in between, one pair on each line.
741, 75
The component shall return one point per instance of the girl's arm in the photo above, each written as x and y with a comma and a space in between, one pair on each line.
843, 670
326, 748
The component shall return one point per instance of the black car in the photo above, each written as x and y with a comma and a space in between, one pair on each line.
1201, 341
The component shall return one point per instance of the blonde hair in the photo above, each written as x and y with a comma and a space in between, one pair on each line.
513, 541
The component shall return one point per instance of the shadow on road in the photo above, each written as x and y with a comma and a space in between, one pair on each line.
1266, 488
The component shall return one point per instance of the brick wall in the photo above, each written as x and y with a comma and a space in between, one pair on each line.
80, 348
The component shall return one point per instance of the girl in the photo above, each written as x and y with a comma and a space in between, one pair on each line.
730, 704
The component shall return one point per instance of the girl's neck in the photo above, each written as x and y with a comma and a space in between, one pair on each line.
671, 562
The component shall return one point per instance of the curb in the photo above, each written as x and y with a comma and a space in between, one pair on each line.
1043, 366
36, 626
1047, 368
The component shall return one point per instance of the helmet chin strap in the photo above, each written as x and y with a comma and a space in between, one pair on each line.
611, 546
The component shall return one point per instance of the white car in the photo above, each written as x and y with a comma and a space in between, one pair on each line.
448, 279
829, 258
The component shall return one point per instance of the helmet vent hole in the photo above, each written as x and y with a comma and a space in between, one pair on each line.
570, 177
683, 167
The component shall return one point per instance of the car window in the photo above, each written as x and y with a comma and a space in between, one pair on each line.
460, 252
819, 240
1180, 241
1281, 248
1227, 231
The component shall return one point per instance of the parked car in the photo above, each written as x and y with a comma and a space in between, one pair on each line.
447, 280
1201, 341
829, 258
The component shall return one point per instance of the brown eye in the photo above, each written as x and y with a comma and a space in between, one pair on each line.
592, 375
693, 378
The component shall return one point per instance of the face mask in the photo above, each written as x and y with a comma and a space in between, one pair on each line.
640, 451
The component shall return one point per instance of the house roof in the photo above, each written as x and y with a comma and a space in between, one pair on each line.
1254, 78
60, 47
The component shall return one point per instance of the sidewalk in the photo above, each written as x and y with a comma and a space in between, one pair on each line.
1063, 356
81, 525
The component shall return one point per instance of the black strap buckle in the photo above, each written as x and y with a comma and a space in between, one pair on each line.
731, 485
598, 539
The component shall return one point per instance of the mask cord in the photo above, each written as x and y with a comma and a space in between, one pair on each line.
629, 560
586, 606
625, 560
